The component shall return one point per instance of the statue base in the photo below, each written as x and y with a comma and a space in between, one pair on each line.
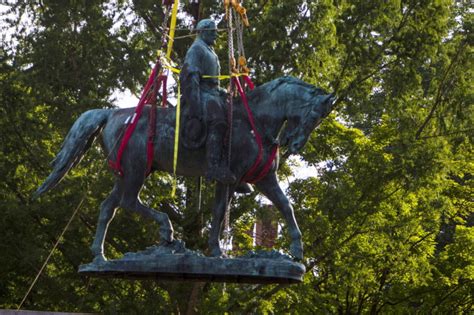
173, 262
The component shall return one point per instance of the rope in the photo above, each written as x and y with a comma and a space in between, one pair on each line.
240, 30
67, 225
51, 252
164, 25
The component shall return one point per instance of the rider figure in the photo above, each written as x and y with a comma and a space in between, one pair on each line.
205, 99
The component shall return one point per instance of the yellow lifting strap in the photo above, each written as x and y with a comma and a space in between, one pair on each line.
172, 29
176, 140
205, 76
178, 103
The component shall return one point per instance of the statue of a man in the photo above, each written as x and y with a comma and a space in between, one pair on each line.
205, 99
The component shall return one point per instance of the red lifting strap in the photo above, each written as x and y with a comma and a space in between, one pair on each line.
265, 169
248, 81
250, 176
152, 121
148, 97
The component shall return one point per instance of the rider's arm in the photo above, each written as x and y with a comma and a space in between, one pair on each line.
190, 81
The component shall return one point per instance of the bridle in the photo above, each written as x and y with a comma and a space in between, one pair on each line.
303, 128
295, 126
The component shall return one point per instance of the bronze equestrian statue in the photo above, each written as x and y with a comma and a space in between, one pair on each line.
285, 101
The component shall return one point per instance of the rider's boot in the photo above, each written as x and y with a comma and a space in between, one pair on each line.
215, 168
243, 188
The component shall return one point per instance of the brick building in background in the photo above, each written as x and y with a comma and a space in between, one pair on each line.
266, 232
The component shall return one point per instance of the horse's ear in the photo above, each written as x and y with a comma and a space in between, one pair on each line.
329, 102
323, 107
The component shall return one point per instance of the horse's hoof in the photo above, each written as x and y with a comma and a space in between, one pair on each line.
222, 255
99, 259
166, 235
297, 252
165, 243
217, 252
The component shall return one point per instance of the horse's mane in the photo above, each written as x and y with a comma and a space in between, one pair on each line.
263, 91
298, 90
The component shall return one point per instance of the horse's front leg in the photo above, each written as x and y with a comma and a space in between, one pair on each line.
271, 189
218, 214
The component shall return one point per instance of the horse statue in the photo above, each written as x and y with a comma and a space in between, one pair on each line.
286, 99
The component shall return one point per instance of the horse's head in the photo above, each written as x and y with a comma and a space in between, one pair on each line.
300, 126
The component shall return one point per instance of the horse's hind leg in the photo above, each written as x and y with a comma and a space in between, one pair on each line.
271, 189
131, 186
107, 211
218, 214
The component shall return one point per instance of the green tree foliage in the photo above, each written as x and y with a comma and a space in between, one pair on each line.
387, 221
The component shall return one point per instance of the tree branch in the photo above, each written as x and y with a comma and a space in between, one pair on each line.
438, 99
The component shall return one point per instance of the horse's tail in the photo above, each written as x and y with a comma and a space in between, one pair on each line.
77, 142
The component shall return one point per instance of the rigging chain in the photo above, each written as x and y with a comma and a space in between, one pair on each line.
234, 11
230, 42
